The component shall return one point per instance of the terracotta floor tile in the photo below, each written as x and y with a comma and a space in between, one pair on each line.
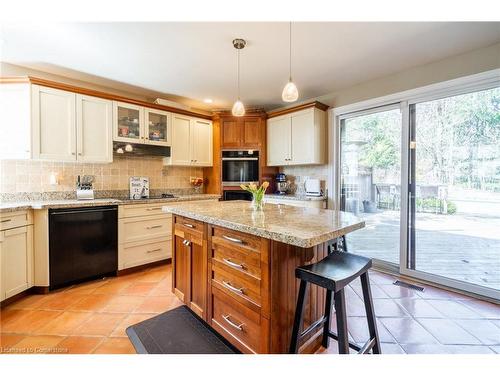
28, 302
388, 308
395, 291
99, 324
445, 349
495, 348
377, 292
388, 348
43, 344
7, 315
129, 321
65, 323
141, 288
453, 309
29, 321
59, 301
358, 329
79, 344
485, 331
418, 308
9, 339
91, 302
123, 304
158, 304
161, 290
115, 345
448, 332
88, 287
380, 278
485, 309
407, 331
431, 292
112, 287
152, 277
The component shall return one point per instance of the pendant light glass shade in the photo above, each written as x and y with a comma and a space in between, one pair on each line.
238, 109
290, 92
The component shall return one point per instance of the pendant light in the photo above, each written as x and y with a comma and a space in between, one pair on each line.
290, 92
238, 107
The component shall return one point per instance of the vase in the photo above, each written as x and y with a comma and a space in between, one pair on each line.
257, 203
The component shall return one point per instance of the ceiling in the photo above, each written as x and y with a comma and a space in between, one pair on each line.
194, 61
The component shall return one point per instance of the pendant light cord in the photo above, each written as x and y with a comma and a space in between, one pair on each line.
238, 74
290, 49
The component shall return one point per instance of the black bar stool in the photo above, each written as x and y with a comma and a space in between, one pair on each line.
333, 273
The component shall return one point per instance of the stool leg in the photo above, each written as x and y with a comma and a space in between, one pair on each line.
294, 342
328, 315
344, 244
370, 313
340, 311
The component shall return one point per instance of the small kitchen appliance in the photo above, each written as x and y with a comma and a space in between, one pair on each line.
281, 184
139, 187
313, 187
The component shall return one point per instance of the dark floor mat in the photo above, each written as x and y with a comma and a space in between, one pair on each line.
178, 331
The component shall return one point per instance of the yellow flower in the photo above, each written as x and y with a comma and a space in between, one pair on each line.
265, 185
253, 186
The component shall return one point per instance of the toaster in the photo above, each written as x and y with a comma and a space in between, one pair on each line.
313, 187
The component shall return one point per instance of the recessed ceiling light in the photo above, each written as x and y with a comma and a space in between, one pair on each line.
208, 101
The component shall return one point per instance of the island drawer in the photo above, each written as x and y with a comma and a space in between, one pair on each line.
193, 228
243, 287
237, 323
15, 219
141, 209
235, 240
241, 260
137, 253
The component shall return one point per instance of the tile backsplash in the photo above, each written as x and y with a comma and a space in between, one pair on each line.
298, 174
33, 176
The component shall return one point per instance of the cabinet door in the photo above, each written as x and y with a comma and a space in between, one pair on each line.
198, 282
180, 151
181, 273
128, 123
201, 143
94, 117
231, 129
302, 136
251, 132
54, 126
278, 141
157, 126
16, 251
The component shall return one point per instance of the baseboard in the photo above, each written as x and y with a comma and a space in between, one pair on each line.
143, 267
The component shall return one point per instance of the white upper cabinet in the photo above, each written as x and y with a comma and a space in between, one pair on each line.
53, 124
201, 143
15, 123
191, 142
297, 138
128, 123
94, 121
158, 128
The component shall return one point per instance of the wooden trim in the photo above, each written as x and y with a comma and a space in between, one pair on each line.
300, 107
40, 290
16, 297
99, 94
142, 267
248, 113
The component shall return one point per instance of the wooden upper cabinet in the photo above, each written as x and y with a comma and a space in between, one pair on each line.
242, 132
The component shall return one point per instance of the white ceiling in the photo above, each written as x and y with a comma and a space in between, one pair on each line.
197, 60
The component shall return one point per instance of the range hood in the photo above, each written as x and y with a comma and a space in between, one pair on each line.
137, 149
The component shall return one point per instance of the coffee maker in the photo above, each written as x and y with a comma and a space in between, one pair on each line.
281, 184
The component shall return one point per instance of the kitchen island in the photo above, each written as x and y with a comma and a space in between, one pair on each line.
235, 267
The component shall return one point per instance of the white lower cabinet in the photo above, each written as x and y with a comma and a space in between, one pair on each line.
296, 202
16, 257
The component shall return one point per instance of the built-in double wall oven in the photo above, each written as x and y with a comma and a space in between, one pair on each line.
239, 167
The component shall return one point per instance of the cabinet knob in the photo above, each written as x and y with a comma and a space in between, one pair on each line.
80, 153
73, 153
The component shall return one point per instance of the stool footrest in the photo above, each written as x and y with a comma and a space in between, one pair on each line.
367, 347
352, 345
313, 326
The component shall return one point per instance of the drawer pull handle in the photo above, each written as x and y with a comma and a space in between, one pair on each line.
153, 208
186, 243
188, 225
232, 239
153, 251
154, 227
239, 327
5, 221
233, 288
232, 264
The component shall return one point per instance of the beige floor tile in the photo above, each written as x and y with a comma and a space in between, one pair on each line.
115, 345
129, 321
123, 304
79, 344
65, 323
43, 344
99, 324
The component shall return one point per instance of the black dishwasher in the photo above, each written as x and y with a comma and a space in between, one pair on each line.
83, 244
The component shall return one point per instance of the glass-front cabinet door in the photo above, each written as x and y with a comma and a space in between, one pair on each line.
128, 123
157, 126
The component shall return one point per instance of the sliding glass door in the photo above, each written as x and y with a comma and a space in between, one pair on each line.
454, 189
424, 175
370, 180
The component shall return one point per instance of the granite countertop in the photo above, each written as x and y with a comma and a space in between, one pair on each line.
298, 226
69, 203
295, 197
